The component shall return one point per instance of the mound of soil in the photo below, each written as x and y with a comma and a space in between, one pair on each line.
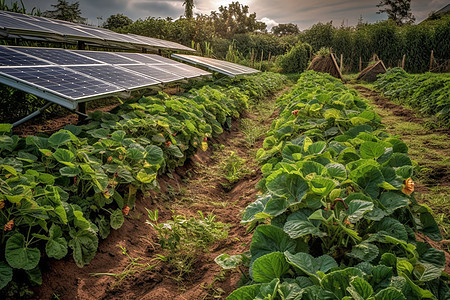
370, 73
326, 64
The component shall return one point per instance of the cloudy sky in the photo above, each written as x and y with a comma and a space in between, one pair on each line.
304, 13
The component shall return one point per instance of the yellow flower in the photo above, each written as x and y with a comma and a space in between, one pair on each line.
408, 186
2, 204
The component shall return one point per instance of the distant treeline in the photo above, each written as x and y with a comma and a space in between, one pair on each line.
385, 39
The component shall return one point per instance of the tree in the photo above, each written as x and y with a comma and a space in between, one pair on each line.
397, 10
235, 19
65, 11
117, 21
188, 7
285, 29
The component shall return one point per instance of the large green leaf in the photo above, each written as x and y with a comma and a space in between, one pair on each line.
360, 289
368, 177
251, 211
364, 251
337, 171
337, 282
291, 186
357, 209
59, 138
6, 274
370, 150
245, 292
392, 227
18, 255
56, 246
299, 228
175, 151
116, 219
227, 261
390, 293
269, 266
392, 201
65, 157
269, 238
310, 265
84, 244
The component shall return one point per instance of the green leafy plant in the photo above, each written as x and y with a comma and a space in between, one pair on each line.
234, 168
339, 203
61, 193
183, 238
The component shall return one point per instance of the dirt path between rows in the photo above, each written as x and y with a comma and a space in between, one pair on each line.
197, 186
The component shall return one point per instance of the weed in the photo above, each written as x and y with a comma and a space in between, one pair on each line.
183, 238
234, 168
252, 131
132, 268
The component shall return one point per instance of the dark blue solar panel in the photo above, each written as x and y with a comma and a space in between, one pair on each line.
107, 57
117, 76
60, 28
57, 56
142, 58
62, 81
9, 57
14, 23
153, 72
178, 71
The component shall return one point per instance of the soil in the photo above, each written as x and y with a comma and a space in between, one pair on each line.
197, 186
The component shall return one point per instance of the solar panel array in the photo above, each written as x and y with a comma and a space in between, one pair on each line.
223, 67
39, 28
68, 77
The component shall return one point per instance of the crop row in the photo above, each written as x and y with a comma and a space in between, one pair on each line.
67, 190
427, 93
337, 218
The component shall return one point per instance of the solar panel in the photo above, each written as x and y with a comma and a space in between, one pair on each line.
160, 59
107, 57
141, 58
117, 76
174, 69
61, 29
57, 55
33, 27
61, 81
8, 23
224, 67
153, 72
9, 57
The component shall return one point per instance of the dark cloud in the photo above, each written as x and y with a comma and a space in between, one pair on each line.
173, 9
303, 13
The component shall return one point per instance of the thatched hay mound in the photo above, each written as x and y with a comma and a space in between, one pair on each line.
326, 64
370, 73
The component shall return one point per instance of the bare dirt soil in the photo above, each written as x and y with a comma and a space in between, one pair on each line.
197, 186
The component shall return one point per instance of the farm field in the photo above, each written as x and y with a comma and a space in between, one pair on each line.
216, 186
219, 154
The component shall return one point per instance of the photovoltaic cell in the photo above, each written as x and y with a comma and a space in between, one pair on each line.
62, 81
57, 55
107, 57
117, 76
9, 57
8, 22
37, 27
154, 73
227, 68
177, 71
60, 28
142, 58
